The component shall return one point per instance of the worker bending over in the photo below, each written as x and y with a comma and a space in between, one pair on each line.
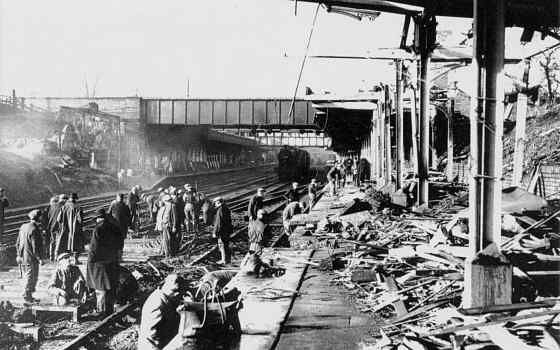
160, 319
256, 232
289, 212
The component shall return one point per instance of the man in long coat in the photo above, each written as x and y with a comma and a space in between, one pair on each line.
71, 220
167, 216
103, 266
122, 217
223, 229
29, 253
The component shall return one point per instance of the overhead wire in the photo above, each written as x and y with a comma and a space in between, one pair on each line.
292, 107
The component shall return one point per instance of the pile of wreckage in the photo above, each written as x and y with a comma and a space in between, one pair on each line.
408, 269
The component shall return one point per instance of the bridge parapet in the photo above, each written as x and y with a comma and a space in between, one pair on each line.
230, 113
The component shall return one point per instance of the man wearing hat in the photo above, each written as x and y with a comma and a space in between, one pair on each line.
167, 220
3, 205
103, 266
67, 281
70, 219
29, 253
222, 229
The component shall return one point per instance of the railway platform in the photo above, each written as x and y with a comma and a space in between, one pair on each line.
307, 311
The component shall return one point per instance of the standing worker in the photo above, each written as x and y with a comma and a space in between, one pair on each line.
70, 219
52, 226
167, 218
160, 319
151, 200
312, 190
103, 266
133, 199
190, 199
333, 176
3, 205
256, 203
206, 209
222, 229
292, 195
121, 213
29, 253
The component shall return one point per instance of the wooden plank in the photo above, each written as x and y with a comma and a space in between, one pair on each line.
77, 342
466, 327
400, 308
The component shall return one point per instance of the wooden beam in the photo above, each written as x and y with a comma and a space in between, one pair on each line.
520, 122
424, 122
388, 143
399, 125
488, 274
450, 117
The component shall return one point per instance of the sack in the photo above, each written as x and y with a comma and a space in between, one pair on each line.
210, 317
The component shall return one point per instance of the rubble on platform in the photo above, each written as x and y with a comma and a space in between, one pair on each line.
408, 269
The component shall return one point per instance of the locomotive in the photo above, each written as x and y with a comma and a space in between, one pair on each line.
293, 164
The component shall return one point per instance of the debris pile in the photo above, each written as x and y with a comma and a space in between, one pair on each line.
409, 270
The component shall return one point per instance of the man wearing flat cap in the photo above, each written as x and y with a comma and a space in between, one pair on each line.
70, 219
67, 281
103, 267
29, 253
222, 229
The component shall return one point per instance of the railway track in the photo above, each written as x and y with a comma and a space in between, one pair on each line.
203, 254
18, 216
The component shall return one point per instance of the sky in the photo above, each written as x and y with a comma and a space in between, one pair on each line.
233, 48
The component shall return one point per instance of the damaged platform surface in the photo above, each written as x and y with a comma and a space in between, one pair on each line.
323, 315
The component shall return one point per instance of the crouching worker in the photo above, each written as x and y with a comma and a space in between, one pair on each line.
160, 319
67, 282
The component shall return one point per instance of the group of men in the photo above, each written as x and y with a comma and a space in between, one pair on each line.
338, 175
56, 233
177, 210
160, 320
48, 234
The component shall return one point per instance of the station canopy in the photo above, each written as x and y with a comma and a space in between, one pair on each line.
345, 119
522, 13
